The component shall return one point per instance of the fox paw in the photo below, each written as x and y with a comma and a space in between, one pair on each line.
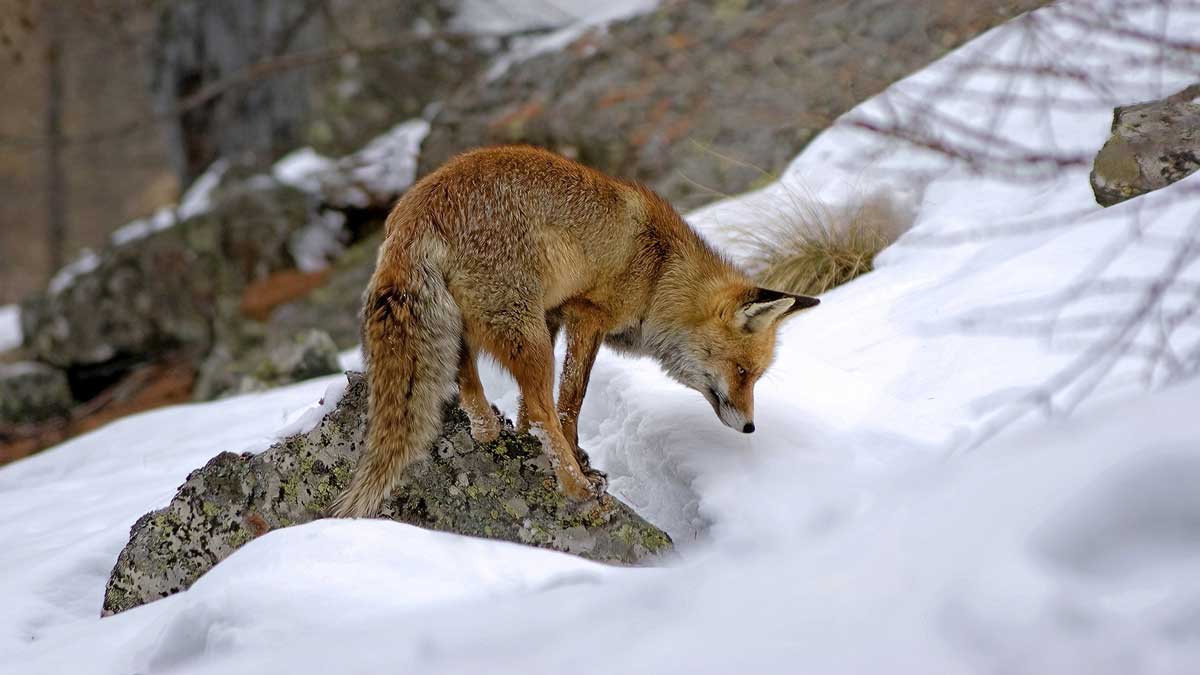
598, 480
485, 433
485, 430
596, 477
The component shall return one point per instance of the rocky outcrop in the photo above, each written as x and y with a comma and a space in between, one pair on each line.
293, 358
706, 99
334, 307
165, 290
1152, 145
504, 490
32, 392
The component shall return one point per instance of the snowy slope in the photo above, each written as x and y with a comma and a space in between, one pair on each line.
853, 533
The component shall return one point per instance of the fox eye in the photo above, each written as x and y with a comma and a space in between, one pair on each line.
741, 371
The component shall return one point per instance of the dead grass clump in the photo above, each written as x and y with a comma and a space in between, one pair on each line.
810, 247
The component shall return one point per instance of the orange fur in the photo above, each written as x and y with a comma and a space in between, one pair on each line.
498, 249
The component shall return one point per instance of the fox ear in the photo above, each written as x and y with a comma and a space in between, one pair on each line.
768, 306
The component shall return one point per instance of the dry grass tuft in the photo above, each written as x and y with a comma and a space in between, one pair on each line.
812, 247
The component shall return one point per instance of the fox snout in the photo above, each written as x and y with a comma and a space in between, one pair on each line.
730, 414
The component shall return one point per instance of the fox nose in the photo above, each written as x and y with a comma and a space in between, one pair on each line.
749, 428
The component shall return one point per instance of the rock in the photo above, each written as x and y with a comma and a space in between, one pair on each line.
311, 353
32, 392
706, 99
335, 307
504, 490
1152, 145
165, 290
308, 355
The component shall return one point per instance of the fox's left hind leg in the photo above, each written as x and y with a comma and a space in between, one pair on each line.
553, 323
485, 426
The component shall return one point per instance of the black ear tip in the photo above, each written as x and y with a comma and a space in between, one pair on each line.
804, 302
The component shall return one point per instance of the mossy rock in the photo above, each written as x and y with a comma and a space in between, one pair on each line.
1152, 145
503, 490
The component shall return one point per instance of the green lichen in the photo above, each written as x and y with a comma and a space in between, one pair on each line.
239, 538
654, 540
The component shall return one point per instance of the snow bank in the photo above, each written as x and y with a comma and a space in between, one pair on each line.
10, 327
196, 200
87, 261
572, 19
231, 609
492, 18
382, 169
851, 533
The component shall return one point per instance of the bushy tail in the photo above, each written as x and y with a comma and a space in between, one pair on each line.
412, 333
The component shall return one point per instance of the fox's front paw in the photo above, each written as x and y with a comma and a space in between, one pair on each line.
598, 479
576, 488
485, 430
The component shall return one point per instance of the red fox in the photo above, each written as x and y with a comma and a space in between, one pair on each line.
498, 250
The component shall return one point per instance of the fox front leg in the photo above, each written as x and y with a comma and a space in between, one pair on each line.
584, 335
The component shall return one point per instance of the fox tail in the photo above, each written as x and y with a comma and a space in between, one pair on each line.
412, 336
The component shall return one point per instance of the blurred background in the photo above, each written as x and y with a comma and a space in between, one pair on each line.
113, 107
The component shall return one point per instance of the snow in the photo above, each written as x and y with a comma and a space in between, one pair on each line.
87, 262
318, 242
301, 168
10, 327
195, 201
571, 19
492, 18
875, 522
379, 171
375, 174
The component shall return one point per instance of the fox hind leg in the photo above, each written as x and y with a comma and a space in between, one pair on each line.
485, 425
553, 323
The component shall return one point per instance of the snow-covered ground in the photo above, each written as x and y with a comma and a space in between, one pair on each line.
495, 18
568, 19
10, 327
867, 526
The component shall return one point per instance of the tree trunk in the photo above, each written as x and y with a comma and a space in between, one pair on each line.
56, 187
203, 41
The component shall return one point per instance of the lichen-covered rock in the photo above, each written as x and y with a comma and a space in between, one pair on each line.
1152, 145
294, 358
504, 490
163, 291
32, 392
705, 99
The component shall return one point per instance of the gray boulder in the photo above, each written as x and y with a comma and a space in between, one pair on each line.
335, 307
1152, 145
32, 392
303, 356
504, 490
705, 99
164, 291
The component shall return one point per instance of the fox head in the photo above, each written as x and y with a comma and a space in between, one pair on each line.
731, 342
